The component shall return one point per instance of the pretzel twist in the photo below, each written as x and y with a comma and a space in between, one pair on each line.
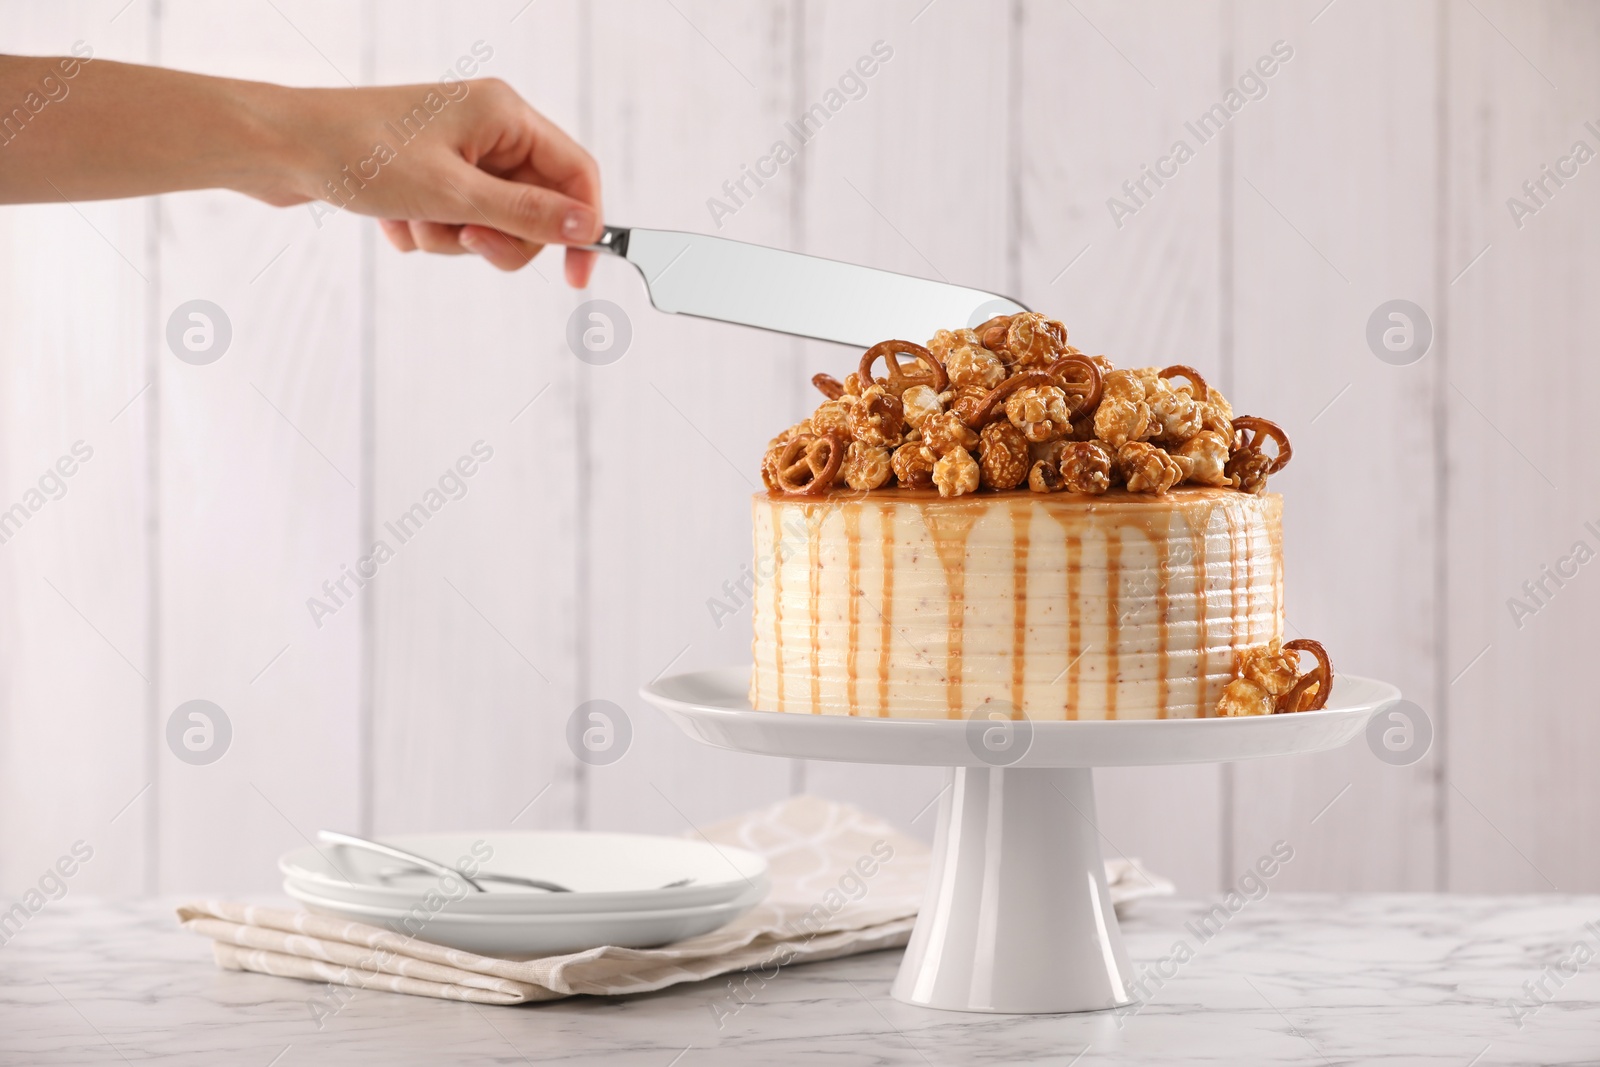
802, 471
828, 385
1249, 430
899, 380
1178, 370
984, 410
1321, 675
1087, 391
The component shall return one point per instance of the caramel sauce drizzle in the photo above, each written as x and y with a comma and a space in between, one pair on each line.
1021, 514
1163, 599
1197, 549
777, 605
1074, 620
886, 534
949, 527
1113, 615
814, 516
852, 540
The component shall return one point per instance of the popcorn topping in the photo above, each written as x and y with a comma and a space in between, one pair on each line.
1012, 403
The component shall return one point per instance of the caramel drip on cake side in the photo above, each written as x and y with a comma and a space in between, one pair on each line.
777, 608
1073, 546
1233, 579
1021, 515
1276, 528
1197, 549
886, 633
1075, 651
813, 555
949, 526
1163, 600
852, 539
1113, 615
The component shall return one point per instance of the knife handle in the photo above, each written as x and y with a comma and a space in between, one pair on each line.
613, 239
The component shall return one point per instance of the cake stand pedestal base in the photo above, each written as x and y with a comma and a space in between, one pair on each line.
1017, 917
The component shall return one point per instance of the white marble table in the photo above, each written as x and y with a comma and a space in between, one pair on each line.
1417, 979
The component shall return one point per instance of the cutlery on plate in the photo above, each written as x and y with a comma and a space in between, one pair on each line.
433, 866
768, 288
423, 863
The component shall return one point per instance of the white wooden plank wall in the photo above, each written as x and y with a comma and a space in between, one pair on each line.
578, 561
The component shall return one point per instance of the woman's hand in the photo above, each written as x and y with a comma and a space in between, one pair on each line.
451, 167
463, 167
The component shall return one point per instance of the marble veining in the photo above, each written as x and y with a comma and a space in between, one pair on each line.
1293, 979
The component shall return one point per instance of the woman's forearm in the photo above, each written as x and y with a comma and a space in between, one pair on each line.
77, 128
456, 166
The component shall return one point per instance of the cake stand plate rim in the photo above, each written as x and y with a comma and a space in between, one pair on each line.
708, 705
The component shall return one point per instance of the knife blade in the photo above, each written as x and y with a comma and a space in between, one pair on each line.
787, 292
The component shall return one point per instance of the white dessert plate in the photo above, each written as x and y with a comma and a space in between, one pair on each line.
533, 936
712, 706
607, 872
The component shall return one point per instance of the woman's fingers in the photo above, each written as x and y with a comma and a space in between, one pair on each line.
507, 253
398, 231
531, 212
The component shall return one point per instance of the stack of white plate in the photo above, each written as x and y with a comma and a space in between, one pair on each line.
628, 890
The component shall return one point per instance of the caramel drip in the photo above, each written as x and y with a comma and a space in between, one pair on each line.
1021, 514
1113, 615
1233, 576
814, 553
1074, 620
949, 528
852, 540
1163, 600
886, 520
1197, 548
1277, 578
777, 606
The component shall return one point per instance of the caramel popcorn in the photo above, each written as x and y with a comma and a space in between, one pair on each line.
1086, 467
1119, 421
833, 416
1121, 385
946, 433
866, 466
877, 418
1244, 697
1045, 477
1270, 667
1002, 455
1268, 680
1144, 468
1031, 340
972, 365
920, 402
912, 464
1206, 454
1175, 415
1039, 411
1021, 405
956, 473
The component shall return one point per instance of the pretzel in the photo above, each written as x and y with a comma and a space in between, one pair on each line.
800, 472
984, 409
994, 330
1321, 675
1248, 431
1089, 389
1178, 370
828, 385
899, 381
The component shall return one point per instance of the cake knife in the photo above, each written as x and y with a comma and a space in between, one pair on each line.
786, 292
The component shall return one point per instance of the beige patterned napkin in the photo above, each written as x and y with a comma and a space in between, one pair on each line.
843, 882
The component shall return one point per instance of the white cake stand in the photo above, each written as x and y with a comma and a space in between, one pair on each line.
1017, 918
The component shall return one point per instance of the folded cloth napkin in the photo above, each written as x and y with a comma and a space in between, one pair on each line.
843, 882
